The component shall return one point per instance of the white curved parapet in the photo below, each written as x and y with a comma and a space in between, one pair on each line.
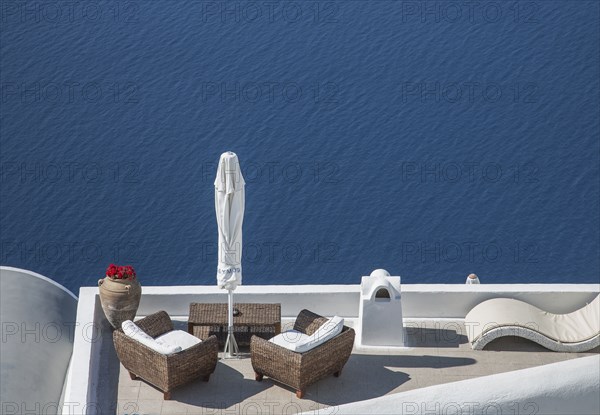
38, 320
569, 387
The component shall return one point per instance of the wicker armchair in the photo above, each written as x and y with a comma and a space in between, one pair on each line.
299, 370
165, 372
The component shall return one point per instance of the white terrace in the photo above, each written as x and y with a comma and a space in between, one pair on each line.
437, 372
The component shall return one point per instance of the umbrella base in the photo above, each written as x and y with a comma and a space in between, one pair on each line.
231, 348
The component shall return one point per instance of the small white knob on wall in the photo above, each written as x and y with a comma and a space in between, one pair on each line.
472, 279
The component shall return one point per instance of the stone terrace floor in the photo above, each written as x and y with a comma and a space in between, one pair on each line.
439, 353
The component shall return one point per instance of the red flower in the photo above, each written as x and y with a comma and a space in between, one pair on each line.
120, 272
111, 271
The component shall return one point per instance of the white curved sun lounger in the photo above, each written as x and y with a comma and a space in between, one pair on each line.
578, 331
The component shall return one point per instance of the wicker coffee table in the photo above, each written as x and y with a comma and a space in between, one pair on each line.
263, 320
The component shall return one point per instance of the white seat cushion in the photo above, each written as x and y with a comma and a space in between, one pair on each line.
179, 338
327, 331
135, 332
289, 339
301, 343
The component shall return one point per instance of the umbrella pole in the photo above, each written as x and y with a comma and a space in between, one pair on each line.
231, 348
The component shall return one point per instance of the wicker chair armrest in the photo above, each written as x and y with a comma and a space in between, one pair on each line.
261, 345
140, 359
334, 350
261, 348
191, 363
206, 350
326, 359
156, 324
126, 343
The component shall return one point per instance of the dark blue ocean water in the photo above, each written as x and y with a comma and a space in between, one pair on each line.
431, 139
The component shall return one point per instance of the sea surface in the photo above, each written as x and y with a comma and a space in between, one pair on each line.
432, 139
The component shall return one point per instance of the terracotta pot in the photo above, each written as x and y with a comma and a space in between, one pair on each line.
120, 299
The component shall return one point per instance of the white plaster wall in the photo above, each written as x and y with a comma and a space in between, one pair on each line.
83, 374
38, 317
339, 300
568, 387
418, 300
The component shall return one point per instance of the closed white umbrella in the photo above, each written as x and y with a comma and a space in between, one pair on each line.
229, 207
